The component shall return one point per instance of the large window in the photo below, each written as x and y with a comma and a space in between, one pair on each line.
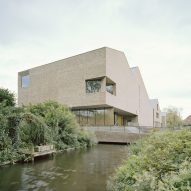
109, 117
92, 117
25, 80
83, 117
100, 117
110, 86
118, 119
93, 86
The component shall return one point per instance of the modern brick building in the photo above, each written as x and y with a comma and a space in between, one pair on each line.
99, 86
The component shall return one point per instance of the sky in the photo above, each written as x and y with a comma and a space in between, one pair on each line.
155, 35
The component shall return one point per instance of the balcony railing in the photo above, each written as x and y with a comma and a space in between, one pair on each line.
125, 129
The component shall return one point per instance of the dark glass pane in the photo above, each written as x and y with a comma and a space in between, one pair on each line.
77, 114
110, 89
91, 117
119, 119
93, 86
100, 117
83, 117
109, 117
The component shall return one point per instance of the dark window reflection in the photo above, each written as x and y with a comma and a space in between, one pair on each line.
110, 89
93, 86
98, 117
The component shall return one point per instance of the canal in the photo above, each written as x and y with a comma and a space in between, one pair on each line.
80, 170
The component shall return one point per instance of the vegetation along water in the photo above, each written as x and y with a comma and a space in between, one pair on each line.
159, 162
24, 128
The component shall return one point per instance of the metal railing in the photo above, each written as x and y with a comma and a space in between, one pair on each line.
125, 129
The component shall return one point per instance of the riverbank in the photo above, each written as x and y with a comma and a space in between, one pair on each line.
25, 128
48, 153
159, 163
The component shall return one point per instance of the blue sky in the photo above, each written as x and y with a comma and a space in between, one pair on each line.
154, 34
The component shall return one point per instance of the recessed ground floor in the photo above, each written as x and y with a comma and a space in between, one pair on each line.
103, 117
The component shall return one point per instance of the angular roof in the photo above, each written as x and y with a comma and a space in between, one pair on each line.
187, 121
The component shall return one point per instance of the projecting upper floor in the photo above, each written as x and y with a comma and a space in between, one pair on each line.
99, 78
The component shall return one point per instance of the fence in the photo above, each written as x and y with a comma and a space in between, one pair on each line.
125, 129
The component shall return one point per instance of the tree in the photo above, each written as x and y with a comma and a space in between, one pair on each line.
7, 97
173, 117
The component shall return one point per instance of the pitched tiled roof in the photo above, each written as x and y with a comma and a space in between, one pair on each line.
187, 121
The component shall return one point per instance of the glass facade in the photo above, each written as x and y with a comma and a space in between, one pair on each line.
100, 117
119, 120
91, 117
95, 117
83, 117
109, 117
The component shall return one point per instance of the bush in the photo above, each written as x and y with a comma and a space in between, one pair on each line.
159, 163
7, 98
23, 128
62, 122
33, 130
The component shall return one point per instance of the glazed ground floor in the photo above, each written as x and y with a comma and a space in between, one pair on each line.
103, 117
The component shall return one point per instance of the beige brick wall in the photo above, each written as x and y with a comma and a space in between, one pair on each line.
64, 81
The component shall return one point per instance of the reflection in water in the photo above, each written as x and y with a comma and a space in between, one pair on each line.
82, 170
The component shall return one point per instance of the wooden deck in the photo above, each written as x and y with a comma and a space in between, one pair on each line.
43, 153
39, 151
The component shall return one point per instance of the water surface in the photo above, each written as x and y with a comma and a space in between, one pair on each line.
81, 170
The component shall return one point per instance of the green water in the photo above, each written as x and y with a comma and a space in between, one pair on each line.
82, 170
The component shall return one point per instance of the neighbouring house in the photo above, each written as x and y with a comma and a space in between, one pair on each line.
99, 86
159, 118
187, 121
163, 119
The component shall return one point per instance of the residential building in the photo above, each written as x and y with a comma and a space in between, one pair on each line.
99, 86
157, 118
187, 121
163, 119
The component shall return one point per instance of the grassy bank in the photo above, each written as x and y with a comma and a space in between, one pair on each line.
161, 162
24, 128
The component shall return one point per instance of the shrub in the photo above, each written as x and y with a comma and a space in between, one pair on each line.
33, 130
160, 162
6, 97
23, 128
9, 137
62, 122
